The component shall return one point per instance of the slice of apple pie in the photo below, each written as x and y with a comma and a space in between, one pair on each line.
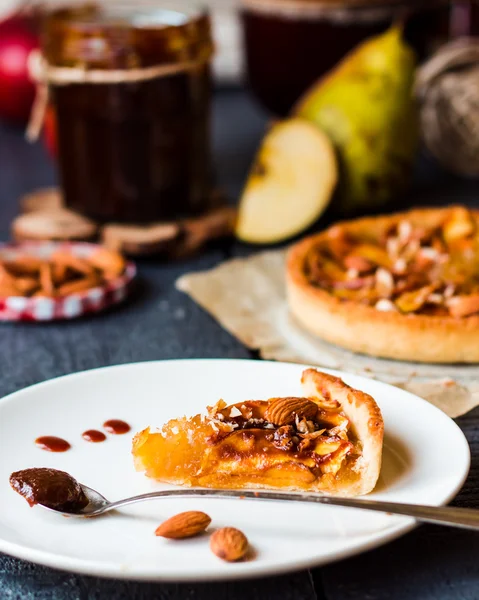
329, 440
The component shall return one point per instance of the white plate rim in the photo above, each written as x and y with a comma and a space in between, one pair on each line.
82, 567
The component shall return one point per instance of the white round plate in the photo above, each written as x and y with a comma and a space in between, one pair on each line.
426, 460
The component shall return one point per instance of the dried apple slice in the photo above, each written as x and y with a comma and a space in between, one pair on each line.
459, 225
290, 183
463, 306
411, 301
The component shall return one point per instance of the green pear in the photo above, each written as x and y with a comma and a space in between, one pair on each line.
366, 106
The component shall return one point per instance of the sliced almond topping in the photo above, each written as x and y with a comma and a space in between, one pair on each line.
385, 305
400, 266
283, 411
393, 246
235, 412
404, 231
429, 253
384, 282
410, 250
214, 410
449, 291
435, 298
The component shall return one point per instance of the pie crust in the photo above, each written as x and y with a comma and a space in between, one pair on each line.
361, 327
328, 441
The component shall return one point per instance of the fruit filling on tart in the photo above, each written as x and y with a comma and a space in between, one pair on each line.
299, 443
411, 267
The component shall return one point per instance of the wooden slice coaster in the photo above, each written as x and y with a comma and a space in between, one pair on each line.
137, 240
58, 224
45, 218
41, 200
176, 240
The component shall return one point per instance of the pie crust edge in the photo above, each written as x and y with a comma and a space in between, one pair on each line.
364, 329
366, 422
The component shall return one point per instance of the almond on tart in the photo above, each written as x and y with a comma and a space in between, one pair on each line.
402, 286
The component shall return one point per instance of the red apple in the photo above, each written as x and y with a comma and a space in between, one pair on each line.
17, 91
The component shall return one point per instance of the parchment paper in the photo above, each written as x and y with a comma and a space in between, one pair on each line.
247, 297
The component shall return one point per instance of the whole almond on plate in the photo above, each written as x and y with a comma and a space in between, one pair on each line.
184, 525
229, 544
282, 411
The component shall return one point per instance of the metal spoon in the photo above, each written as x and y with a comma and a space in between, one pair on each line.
465, 518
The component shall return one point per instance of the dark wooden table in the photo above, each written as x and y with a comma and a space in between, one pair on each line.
430, 563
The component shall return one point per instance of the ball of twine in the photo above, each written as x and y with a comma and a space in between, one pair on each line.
448, 89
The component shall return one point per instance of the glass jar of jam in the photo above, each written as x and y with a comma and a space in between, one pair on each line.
130, 84
291, 43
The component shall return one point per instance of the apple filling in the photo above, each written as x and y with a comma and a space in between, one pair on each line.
408, 269
282, 442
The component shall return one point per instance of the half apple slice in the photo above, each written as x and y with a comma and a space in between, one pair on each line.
290, 184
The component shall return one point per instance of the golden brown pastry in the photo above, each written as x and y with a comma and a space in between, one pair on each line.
328, 441
404, 286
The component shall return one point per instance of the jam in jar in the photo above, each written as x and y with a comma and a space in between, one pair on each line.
131, 87
291, 43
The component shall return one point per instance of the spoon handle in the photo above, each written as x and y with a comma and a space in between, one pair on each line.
465, 518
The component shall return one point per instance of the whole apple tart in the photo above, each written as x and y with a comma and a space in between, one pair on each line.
403, 286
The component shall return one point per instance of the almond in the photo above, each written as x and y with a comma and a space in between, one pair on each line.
282, 411
229, 544
184, 525
384, 283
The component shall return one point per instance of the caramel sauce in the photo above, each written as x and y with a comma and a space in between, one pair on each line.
93, 435
116, 426
51, 443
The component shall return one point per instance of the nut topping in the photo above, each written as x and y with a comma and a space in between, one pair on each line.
384, 283
229, 544
283, 411
413, 266
184, 525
